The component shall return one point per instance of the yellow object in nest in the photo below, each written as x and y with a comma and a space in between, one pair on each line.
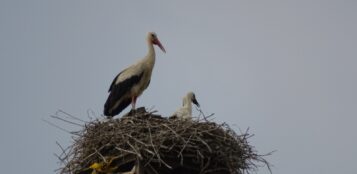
104, 167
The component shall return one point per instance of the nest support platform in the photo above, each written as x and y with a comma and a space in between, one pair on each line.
142, 142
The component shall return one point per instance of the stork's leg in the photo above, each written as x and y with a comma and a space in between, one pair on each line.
133, 102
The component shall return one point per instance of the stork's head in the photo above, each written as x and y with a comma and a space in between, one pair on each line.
152, 38
192, 97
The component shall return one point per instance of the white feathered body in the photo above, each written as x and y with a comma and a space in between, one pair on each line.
185, 112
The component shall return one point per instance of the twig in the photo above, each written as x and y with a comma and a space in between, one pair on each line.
204, 142
137, 153
69, 115
70, 122
58, 127
105, 161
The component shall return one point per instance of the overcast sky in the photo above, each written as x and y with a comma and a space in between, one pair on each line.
285, 69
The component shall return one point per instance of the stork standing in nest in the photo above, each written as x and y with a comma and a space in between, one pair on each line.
129, 84
185, 112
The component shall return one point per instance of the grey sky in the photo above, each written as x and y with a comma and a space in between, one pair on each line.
285, 69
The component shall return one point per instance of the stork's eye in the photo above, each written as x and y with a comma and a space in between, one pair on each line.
153, 35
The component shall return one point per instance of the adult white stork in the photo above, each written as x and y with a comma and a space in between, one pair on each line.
185, 112
129, 84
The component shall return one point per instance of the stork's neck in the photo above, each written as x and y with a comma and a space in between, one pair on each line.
187, 104
151, 54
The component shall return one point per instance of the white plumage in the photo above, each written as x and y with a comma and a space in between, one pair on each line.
185, 112
129, 84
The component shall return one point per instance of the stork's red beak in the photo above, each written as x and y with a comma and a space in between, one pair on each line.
158, 43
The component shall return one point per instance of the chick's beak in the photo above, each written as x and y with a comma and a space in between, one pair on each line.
194, 101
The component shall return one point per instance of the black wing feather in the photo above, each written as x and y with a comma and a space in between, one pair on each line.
117, 91
113, 82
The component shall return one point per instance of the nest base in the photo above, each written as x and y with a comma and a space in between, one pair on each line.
159, 145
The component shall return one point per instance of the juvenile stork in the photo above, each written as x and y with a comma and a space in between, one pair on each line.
185, 112
129, 84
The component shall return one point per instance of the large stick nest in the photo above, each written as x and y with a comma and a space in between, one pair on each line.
159, 146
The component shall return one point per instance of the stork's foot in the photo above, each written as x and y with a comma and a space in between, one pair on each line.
132, 112
141, 110
173, 117
135, 112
